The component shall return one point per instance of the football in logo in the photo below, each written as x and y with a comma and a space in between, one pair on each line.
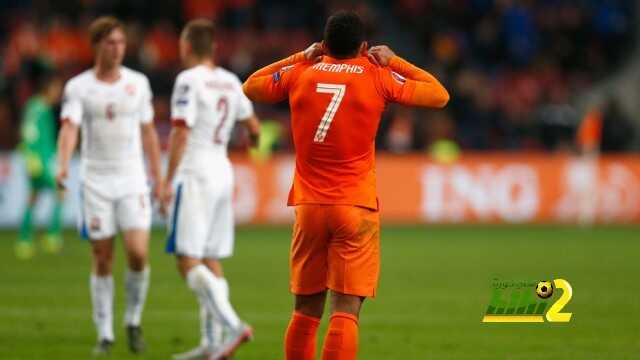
544, 289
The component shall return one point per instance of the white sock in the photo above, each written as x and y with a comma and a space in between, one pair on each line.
224, 287
211, 328
102, 299
211, 292
137, 284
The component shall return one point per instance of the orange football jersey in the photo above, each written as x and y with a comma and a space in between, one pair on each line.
335, 112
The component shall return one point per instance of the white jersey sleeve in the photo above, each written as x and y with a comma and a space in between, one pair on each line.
244, 106
146, 106
184, 101
71, 104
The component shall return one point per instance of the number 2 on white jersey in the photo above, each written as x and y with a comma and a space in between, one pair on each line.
223, 107
338, 91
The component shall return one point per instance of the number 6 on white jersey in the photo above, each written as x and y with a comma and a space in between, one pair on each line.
338, 91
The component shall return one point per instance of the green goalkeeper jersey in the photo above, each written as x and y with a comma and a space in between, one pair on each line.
38, 133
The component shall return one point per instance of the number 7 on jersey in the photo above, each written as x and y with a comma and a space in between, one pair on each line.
338, 91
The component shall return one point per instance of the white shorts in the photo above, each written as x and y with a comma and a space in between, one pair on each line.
201, 222
102, 217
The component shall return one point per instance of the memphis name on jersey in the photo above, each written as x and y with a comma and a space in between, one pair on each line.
339, 68
345, 68
209, 101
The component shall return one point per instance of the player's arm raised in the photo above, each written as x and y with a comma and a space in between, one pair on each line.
418, 88
266, 84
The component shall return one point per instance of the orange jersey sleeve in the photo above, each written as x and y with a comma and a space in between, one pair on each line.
336, 106
271, 83
406, 84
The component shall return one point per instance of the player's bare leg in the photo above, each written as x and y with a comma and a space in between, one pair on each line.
212, 291
136, 243
341, 340
300, 338
102, 293
311, 305
350, 304
214, 266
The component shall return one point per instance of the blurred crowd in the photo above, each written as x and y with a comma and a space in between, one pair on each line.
513, 67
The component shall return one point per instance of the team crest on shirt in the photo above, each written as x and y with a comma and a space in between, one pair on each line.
399, 78
94, 224
130, 89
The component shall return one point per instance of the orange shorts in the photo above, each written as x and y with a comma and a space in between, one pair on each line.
335, 247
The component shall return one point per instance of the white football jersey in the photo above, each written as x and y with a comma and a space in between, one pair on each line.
209, 101
110, 116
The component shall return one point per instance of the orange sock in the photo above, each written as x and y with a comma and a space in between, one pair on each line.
341, 341
300, 339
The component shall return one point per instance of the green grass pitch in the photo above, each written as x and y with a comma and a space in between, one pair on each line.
434, 289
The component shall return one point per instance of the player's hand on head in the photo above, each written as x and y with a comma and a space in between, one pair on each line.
314, 52
381, 55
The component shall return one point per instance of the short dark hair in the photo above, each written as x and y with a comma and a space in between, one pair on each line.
343, 34
102, 27
200, 34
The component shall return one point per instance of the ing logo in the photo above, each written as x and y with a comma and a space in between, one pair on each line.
529, 301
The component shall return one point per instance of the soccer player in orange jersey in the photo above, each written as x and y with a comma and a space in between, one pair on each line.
337, 91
